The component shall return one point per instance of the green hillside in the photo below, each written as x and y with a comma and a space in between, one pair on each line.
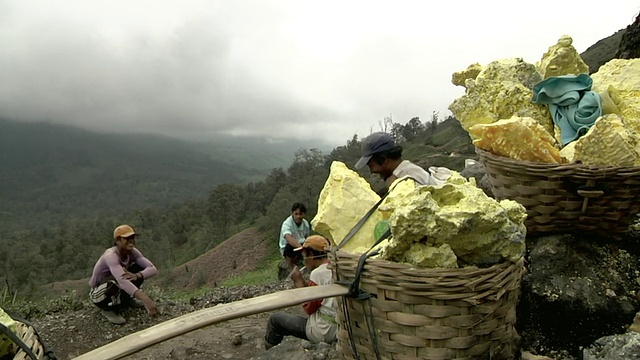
52, 172
601, 52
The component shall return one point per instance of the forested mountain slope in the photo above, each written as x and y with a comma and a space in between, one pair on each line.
52, 172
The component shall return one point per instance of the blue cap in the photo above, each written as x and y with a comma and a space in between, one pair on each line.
375, 143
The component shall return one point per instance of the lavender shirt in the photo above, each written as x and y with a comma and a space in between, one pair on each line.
110, 266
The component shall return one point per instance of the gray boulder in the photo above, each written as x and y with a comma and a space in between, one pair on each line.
478, 172
576, 290
615, 347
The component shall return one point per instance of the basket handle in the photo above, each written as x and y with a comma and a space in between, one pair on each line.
589, 192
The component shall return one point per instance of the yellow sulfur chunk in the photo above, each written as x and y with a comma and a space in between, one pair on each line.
424, 255
562, 59
344, 200
608, 142
609, 98
517, 138
568, 152
479, 229
6, 345
501, 90
624, 77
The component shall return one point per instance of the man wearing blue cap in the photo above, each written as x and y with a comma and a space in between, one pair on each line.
384, 158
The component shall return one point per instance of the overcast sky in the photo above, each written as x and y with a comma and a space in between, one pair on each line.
303, 69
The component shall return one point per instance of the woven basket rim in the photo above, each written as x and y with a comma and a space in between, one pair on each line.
417, 270
549, 166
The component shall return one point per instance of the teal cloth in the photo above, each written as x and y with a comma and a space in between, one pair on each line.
573, 106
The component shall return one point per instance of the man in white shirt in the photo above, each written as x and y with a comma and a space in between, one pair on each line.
293, 232
320, 325
383, 157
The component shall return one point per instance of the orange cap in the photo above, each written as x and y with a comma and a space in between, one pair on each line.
123, 231
316, 242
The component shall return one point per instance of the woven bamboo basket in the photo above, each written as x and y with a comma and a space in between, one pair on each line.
31, 339
569, 197
423, 313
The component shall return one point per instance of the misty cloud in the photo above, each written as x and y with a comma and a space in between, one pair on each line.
283, 69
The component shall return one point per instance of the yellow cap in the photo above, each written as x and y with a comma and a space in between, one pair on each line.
123, 231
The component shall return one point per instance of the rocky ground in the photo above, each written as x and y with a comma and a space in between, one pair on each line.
76, 332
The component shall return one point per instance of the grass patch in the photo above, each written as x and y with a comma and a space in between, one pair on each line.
416, 151
267, 271
34, 309
260, 276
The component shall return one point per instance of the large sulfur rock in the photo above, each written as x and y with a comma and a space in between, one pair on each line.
501, 90
344, 200
624, 77
511, 70
479, 229
608, 142
517, 138
562, 59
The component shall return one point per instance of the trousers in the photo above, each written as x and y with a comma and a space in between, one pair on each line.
282, 324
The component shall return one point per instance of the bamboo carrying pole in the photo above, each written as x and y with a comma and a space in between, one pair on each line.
198, 319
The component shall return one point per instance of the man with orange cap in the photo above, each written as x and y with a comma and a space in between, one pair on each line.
320, 325
118, 274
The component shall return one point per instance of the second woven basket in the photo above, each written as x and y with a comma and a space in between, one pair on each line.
601, 200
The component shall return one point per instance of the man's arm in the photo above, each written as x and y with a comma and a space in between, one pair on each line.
118, 273
149, 270
288, 234
149, 304
291, 240
298, 280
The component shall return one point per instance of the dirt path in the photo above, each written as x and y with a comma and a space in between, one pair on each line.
74, 333
239, 339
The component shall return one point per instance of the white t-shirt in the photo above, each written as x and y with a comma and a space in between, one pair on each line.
299, 232
318, 328
420, 175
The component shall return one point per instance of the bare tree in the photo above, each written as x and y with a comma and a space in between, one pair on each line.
386, 124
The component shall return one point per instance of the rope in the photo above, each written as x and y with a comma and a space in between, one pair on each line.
358, 295
361, 222
371, 326
352, 342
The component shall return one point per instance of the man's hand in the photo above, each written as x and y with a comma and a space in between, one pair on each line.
149, 304
296, 277
129, 276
